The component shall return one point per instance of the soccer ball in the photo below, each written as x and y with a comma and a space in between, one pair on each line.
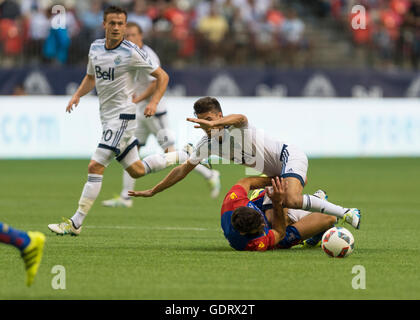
338, 242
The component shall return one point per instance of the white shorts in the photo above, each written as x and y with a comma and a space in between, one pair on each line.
294, 214
156, 125
118, 142
294, 163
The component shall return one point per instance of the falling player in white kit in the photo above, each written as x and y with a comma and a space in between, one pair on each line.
114, 64
156, 125
233, 138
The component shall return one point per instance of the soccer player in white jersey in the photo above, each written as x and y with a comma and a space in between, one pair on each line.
232, 137
156, 125
114, 64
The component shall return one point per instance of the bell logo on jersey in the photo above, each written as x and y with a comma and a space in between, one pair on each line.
233, 196
106, 75
261, 246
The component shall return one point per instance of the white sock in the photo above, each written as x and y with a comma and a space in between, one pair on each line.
89, 194
315, 204
78, 219
128, 184
157, 162
204, 171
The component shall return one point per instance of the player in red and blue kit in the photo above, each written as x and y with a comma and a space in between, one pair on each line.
255, 226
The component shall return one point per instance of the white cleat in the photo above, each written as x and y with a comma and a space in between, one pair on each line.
215, 184
353, 217
118, 202
66, 227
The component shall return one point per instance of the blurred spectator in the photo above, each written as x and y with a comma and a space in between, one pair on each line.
212, 30
409, 40
292, 31
238, 48
139, 16
9, 9
161, 35
39, 25
92, 20
12, 33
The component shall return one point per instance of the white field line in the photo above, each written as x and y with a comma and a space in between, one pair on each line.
151, 228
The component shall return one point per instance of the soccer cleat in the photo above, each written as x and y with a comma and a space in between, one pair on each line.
118, 202
353, 217
32, 255
321, 194
215, 184
308, 244
65, 227
255, 193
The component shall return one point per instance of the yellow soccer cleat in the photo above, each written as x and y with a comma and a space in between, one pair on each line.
32, 255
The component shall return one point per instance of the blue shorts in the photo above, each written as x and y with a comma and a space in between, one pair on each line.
291, 238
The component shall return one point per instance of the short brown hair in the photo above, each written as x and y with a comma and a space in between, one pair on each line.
207, 104
114, 9
133, 24
245, 220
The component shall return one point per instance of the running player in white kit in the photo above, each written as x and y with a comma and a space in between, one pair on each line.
233, 138
114, 64
156, 125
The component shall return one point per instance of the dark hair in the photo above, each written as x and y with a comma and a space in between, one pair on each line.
133, 24
245, 220
206, 104
114, 9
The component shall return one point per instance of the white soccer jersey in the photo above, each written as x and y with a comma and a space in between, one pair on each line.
143, 80
115, 71
246, 145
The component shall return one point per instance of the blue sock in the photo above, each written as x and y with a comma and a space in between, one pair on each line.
315, 239
17, 238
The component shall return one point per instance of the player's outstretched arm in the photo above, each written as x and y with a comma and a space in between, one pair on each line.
177, 174
162, 80
87, 85
236, 120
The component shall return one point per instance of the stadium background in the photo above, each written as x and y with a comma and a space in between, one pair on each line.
295, 68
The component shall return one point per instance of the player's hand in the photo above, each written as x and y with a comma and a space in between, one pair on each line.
277, 193
73, 101
150, 110
201, 123
144, 194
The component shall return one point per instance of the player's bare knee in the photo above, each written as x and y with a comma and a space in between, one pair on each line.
136, 174
136, 171
293, 201
330, 220
95, 167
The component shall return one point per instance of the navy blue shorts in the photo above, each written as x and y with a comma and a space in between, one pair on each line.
291, 238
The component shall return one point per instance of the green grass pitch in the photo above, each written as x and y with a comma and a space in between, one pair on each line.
172, 247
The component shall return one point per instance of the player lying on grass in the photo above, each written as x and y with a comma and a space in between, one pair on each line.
264, 223
233, 138
30, 245
156, 125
